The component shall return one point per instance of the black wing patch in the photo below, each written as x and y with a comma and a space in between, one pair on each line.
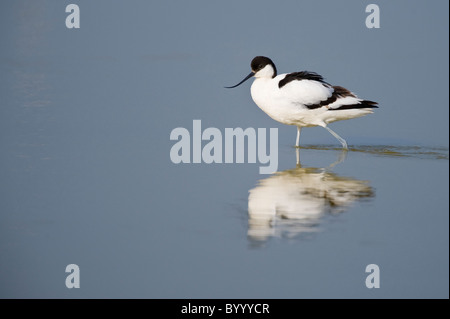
303, 75
365, 104
338, 91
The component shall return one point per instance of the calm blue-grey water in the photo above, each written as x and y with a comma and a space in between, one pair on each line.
86, 177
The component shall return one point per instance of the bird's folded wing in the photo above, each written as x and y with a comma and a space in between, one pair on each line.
306, 93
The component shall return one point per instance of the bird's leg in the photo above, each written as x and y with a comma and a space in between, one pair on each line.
340, 159
298, 136
340, 139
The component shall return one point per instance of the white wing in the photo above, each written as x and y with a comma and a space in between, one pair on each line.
304, 91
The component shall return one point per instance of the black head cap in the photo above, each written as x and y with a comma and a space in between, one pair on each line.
259, 62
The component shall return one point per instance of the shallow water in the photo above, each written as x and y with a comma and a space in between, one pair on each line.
86, 176
391, 150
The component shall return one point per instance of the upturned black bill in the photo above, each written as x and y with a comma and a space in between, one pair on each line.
248, 77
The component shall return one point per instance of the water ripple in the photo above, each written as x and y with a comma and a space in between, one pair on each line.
423, 152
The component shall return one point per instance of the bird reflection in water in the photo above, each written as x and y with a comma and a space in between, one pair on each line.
292, 203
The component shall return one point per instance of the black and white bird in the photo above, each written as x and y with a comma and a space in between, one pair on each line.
303, 98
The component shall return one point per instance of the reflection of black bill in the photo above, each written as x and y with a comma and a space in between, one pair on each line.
246, 78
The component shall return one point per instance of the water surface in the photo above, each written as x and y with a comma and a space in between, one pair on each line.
86, 176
